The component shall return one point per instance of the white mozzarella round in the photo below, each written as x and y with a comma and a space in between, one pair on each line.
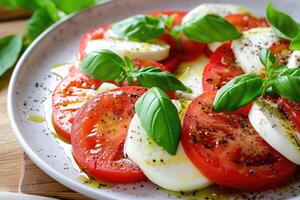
247, 49
276, 129
190, 74
130, 48
294, 60
217, 9
175, 173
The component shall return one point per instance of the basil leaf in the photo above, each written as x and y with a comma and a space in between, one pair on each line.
10, 48
283, 25
295, 44
210, 28
103, 65
155, 77
287, 86
39, 22
139, 27
159, 117
267, 58
71, 6
285, 71
238, 92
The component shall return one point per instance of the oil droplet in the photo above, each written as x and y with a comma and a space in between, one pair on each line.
35, 118
94, 183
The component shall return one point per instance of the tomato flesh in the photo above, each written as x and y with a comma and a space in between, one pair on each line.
220, 69
228, 151
292, 110
98, 135
70, 94
245, 22
93, 34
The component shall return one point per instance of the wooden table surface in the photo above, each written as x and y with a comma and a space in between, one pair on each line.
17, 172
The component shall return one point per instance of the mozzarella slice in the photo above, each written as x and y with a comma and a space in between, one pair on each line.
217, 9
294, 60
247, 48
176, 173
190, 74
105, 87
276, 130
130, 48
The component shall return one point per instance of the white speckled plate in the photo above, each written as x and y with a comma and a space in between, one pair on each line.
31, 84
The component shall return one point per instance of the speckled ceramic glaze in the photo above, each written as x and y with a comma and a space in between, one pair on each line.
31, 85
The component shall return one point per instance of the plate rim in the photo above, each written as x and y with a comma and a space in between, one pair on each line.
49, 170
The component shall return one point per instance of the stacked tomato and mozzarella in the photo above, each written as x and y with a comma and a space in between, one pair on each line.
253, 148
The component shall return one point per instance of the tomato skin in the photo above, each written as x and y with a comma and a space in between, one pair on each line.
70, 90
93, 34
292, 110
228, 151
245, 22
98, 134
220, 69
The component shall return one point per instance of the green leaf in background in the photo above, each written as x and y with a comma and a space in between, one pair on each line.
71, 6
139, 27
238, 92
155, 77
10, 48
159, 117
39, 22
103, 65
283, 25
210, 28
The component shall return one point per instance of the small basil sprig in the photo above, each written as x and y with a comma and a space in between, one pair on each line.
159, 117
205, 28
210, 28
245, 88
284, 26
106, 65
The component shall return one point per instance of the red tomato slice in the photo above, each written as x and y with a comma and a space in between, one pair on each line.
190, 50
281, 50
220, 69
245, 22
98, 135
228, 151
142, 63
93, 34
69, 95
292, 110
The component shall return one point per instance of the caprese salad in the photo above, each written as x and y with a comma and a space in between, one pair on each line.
186, 99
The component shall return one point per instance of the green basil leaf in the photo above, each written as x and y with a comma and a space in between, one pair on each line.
283, 25
295, 44
71, 6
139, 27
103, 65
287, 86
39, 22
155, 77
10, 48
238, 92
159, 117
267, 58
285, 71
9, 3
210, 28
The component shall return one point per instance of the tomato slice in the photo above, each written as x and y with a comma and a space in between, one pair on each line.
228, 151
292, 110
69, 95
245, 22
190, 50
142, 63
93, 34
98, 135
220, 69
282, 51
